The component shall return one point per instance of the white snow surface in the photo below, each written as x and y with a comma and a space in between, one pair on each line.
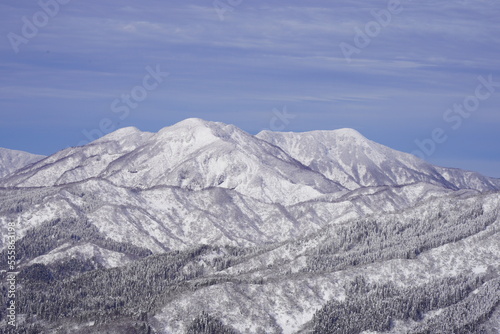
12, 160
165, 218
345, 156
107, 258
291, 300
193, 154
285, 168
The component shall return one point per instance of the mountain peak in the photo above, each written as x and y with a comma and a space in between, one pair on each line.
348, 132
193, 121
338, 135
128, 137
11, 160
199, 130
186, 124
121, 133
342, 132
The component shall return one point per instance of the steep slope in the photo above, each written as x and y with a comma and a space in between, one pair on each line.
169, 218
193, 154
78, 163
442, 256
202, 223
11, 160
199, 182
274, 167
292, 281
347, 157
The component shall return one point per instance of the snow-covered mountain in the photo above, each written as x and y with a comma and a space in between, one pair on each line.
12, 160
193, 154
276, 287
168, 218
354, 161
200, 182
203, 226
287, 168
300, 275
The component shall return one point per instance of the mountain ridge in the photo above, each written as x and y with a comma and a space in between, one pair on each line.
184, 154
12, 160
382, 165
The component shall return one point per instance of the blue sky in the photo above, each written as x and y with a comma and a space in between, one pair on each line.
246, 61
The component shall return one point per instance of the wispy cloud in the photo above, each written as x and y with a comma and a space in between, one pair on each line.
263, 55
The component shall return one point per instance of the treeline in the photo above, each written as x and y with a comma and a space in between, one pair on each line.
136, 290
120, 326
52, 234
370, 240
467, 316
377, 307
18, 199
58, 270
207, 324
76, 291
